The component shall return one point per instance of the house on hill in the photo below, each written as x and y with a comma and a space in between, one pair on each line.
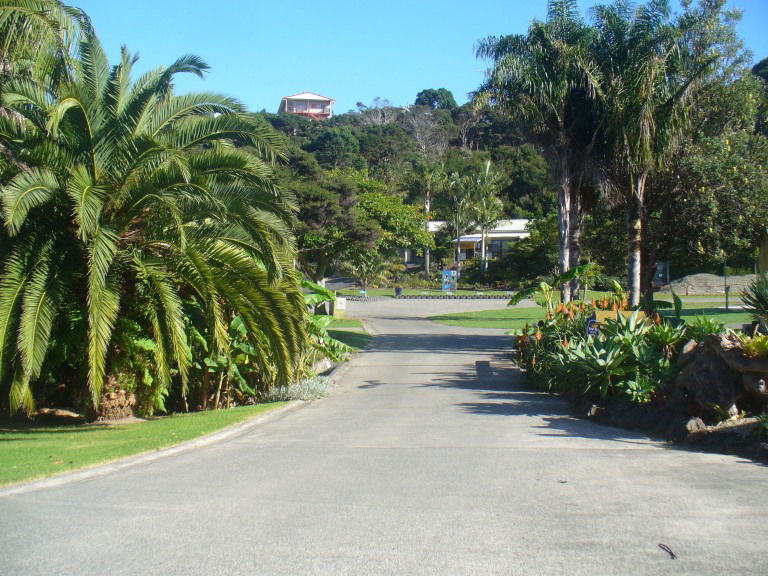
307, 104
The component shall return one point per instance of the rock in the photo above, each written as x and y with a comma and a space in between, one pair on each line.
706, 382
695, 425
687, 354
729, 436
594, 411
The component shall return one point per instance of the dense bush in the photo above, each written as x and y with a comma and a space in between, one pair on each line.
755, 299
630, 357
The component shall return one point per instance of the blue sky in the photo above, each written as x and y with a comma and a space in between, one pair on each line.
353, 51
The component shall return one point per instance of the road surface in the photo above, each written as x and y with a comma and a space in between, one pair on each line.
430, 457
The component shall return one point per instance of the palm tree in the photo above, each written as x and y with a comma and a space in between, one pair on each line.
460, 191
645, 85
486, 205
541, 78
136, 201
428, 180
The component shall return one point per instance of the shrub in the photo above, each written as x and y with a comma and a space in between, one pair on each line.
702, 326
631, 357
756, 346
755, 299
307, 389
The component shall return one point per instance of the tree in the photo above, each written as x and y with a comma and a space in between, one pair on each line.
329, 223
646, 79
539, 78
434, 99
398, 226
337, 148
430, 129
459, 196
486, 206
134, 202
427, 180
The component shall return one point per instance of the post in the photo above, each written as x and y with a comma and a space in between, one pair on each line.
725, 285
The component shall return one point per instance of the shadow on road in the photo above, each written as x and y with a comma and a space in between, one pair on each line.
501, 391
496, 345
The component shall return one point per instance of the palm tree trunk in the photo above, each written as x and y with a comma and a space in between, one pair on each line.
564, 224
217, 398
483, 252
427, 207
458, 248
635, 207
576, 221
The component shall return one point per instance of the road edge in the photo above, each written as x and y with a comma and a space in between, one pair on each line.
148, 457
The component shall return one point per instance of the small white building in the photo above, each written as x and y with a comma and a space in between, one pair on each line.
307, 104
497, 239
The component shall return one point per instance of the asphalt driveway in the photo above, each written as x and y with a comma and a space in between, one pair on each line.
429, 457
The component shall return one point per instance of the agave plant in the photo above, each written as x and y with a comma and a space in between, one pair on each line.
755, 299
133, 200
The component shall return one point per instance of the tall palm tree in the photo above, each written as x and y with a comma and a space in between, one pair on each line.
486, 205
135, 201
645, 84
542, 79
460, 192
428, 180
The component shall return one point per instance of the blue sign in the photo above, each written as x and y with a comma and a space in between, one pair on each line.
593, 326
449, 281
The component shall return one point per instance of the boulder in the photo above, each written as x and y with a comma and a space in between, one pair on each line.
705, 383
715, 376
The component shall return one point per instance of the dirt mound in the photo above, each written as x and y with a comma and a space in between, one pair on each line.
710, 284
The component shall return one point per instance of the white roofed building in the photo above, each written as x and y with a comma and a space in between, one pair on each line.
498, 238
307, 104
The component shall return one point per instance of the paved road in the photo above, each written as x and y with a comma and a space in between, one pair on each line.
429, 458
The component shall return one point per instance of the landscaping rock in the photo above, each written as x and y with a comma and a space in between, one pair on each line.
695, 425
717, 378
594, 411
738, 436
705, 383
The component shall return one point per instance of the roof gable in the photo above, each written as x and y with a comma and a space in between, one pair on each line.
308, 96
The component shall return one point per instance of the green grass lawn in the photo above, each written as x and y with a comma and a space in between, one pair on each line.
350, 331
691, 310
506, 318
353, 338
510, 318
31, 452
346, 324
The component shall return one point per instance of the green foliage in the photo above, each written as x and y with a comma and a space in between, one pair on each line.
440, 98
755, 299
631, 357
321, 344
755, 346
337, 148
703, 326
538, 286
135, 206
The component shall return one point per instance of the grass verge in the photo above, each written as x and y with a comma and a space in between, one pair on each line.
353, 338
28, 453
505, 318
517, 317
347, 324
